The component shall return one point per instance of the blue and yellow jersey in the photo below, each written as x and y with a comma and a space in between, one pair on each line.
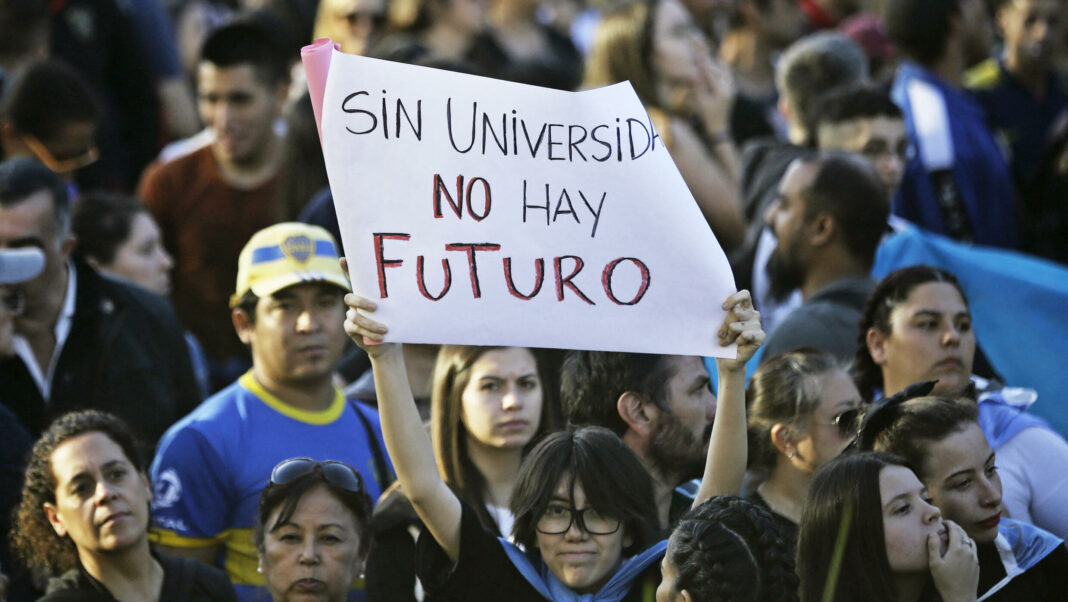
210, 467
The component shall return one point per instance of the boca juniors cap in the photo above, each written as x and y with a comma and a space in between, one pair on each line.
286, 254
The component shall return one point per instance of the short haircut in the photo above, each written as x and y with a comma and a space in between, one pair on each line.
288, 496
247, 42
845, 496
893, 290
916, 423
610, 474
33, 539
848, 187
591, 383
731, 548
850, 103
784, 390
46, 97
816, 63
919, 27
21, 177
101, 222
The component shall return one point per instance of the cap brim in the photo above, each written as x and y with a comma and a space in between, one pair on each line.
20, 265
270, 286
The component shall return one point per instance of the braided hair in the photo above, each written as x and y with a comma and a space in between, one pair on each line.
729, 549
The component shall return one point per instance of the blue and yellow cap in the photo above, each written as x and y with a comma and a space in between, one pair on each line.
286, 254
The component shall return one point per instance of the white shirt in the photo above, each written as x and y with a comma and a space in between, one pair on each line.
63, 324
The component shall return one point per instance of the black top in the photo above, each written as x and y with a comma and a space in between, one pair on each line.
789, 527
1047, 580
484, 568
184, 580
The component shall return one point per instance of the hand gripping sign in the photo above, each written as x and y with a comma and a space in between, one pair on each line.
476, 211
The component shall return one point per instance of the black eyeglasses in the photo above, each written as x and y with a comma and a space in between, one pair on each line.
13, 300
558, 519
339, 474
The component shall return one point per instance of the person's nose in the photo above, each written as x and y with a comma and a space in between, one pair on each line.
309, 552
989, 493
511, 400
575, 532
105, 491
951, 336
166, 260
931, 513
308, 321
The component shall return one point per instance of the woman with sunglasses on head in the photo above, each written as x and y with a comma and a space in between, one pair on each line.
917, 327
583, 503
311, 530
83, 520
728, 548
488, 408
870, 534
940, 439
802, 410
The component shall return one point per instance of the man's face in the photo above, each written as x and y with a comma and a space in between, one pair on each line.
680, 437
1030, 28
880, 140
32, 223
242, 109
297, 336
786, 218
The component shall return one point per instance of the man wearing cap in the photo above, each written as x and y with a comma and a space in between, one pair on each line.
210, 467
83, 340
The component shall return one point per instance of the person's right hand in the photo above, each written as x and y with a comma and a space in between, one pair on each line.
956, 572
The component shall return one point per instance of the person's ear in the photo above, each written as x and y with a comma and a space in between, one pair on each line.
821, 229
685, 595
54, 519
876, 342
242, 324
782, 439
784, 108
639, 414
67, 247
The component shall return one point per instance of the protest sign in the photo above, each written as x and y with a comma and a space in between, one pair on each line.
477, 211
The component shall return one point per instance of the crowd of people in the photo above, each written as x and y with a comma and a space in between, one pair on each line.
195, 405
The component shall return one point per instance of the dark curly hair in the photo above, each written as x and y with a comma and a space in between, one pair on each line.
729, 549
891, 291
35, 542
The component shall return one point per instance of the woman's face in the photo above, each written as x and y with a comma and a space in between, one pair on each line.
501, 404
959, 472
582, 561
141, 258
679, 47
315, 554
832, 425
930, 338
909, 520
101, 499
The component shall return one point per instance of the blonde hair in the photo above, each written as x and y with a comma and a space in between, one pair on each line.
622, 48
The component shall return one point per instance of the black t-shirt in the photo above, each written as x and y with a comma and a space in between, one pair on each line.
484, 571
184, 580
1047, 580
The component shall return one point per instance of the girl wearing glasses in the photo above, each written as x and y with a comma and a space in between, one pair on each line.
311, 530
488, 409
583, 503
941, 441
803, 409
83, 520
917, 327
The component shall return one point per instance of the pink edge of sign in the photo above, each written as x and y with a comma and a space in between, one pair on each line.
316, 59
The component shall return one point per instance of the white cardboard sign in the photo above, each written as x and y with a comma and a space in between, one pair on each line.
477, 211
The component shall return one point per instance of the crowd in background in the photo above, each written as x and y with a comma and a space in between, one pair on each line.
182, 415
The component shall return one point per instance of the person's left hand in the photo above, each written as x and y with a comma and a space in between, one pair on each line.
741, 326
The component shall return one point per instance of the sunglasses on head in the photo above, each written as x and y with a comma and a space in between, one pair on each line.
336, 473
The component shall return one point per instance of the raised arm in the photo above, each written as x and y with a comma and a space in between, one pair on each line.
728, 448
406, 439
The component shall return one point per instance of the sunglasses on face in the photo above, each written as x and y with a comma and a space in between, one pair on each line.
847, 422
338, 474
59, 165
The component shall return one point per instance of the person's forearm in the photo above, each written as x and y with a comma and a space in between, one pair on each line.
727, 449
